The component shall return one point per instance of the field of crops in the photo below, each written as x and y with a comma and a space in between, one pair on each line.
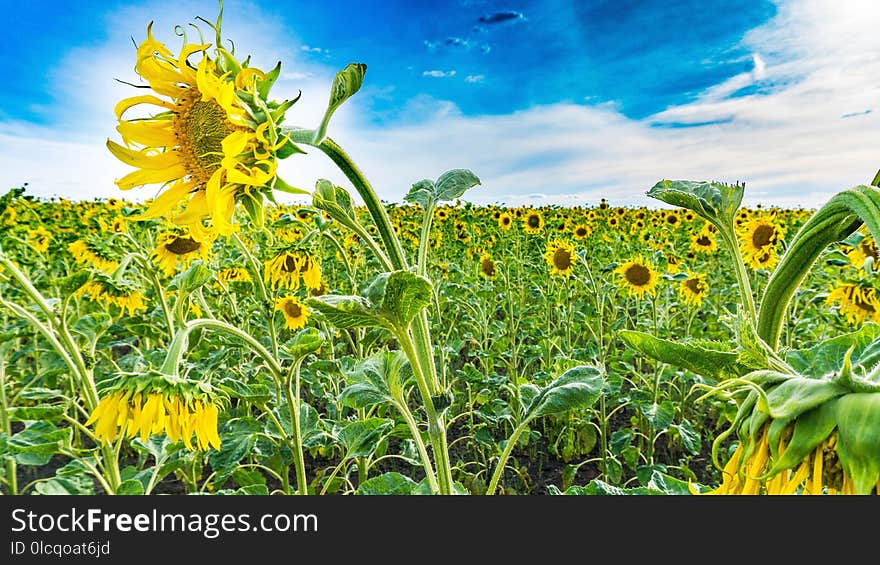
212, 340
94, 304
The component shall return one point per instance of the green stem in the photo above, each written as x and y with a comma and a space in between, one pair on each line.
505, 455
742, 275
291, 390
11, 471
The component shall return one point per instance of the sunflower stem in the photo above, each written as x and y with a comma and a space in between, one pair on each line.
742, 275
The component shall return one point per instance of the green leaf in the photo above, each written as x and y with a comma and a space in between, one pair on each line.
827, 357
798, 394
345, 84
858, 438
698, 359
336, 201
579, 387
46, 412
304, 342
92, 326
810, 429
131, 487
714, 201
660, 415
400, 296
449, 186
689, 437
346, 312
198, 274
387, 484
37, 443
361, 438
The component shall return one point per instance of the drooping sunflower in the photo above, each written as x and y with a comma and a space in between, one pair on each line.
487, 267
560, 257
94, 254
282, 271
296, 314
180, 409
533, 222
758, 238
857, 302
693, 289
638, 277
233, 275
177, 249
673, 264
109, 292
211, 144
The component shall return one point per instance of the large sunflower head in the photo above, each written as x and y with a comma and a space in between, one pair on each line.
758, 238
106, 290
704, 241
488, 269
560, 257
213, 141
533, 222
638, 277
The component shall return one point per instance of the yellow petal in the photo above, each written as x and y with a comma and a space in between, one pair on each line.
127, 103
150, 176
167, 200
144, 159
150, 133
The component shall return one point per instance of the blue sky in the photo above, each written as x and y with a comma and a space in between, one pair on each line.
548, 101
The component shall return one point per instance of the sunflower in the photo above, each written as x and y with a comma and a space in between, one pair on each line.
125, 413
865, 248
581, 231
673, 264
39, 238
857, 303
234, 275
282, 271
296, 314
704, 241
109, 292
560, 257
693, 289
310, 270
487, 267
178, 248
207, 147
758, 238
505, 221
533, 222
92, 254
638, 277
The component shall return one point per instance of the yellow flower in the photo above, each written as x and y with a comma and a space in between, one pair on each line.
704, 241
205, 147
296, 314
560, 257
487, 267
638, 277
533, 222
126, 414
864, 249
856, 302
282, 271
310, 270
505, 221
233, 275
92, 255
758, 238
112, 293
581, 231
39, 238
693, 289
178, 249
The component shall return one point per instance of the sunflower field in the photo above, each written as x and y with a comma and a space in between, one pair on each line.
212, 340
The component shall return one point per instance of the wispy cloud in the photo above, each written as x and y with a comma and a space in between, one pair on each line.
473, 79
439, 74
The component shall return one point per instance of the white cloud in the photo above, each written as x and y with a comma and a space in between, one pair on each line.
439, 74
473, 79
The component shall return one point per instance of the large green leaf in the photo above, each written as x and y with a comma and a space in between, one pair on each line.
799, 394
400, 296
362, 437
827, 357
336, 201
579, 387
347, 312
714, 201
699, 359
